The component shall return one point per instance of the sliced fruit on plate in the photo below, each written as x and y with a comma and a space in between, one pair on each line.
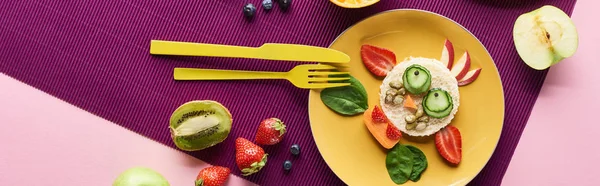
462, 66
469, 77
544, 37
449, 144
379, 61
392, 132
378, 130
447, 57
378, 116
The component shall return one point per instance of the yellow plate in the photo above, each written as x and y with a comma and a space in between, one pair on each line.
353, 153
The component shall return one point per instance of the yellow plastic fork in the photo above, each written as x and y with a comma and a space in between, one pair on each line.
302, 76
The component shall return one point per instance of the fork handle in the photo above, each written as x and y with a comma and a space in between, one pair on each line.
201, 49
212, 74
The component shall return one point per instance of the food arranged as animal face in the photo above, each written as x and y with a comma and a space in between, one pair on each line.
418, 97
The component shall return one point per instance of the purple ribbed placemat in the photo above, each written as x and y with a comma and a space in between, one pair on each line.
95, 55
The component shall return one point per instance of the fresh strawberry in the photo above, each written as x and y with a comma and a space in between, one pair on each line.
270, 132
392, 132
378, 115
212, 176
378, 61
249, 157
449, 145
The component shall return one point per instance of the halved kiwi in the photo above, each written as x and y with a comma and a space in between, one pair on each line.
197, 125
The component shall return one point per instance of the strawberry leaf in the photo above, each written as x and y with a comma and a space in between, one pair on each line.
279, 126
199, 182
255, 167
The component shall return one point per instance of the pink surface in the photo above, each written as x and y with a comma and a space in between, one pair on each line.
83, 149
557, 147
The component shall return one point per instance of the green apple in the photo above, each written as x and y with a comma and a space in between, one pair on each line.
140, 176
544, 37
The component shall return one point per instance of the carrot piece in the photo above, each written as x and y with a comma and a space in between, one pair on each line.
409, 102
378, 130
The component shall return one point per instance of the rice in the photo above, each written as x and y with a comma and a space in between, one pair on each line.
440, 78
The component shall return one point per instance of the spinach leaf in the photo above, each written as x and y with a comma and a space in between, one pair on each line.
419, 163
348, 100
359, 87
399, 163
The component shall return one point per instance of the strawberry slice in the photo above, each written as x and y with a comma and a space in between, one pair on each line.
378, 116
392, 132
378, 61
449, 145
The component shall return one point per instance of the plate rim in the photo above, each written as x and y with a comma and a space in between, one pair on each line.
456, 23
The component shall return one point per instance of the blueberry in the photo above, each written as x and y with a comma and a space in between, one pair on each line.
295, 149
267, 4
287, 165
284, 4
249, 10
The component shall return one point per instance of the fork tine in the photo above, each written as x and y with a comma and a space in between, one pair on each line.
321, 73
322, 67
326, 85
340, 65
317, 79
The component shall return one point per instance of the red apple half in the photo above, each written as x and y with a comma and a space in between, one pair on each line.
447, 57
462, 66
469, 77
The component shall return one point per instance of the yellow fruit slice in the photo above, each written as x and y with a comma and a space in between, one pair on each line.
354, 3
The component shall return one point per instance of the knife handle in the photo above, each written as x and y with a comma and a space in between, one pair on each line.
159, 47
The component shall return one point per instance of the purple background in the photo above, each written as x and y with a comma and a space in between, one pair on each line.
95, 55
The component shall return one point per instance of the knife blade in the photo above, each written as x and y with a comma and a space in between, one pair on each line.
268, 51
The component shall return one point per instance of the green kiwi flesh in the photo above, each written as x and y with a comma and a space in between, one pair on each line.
197, 125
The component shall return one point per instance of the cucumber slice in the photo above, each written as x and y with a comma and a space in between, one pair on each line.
416, 79
437, 100
437, 103
441, 114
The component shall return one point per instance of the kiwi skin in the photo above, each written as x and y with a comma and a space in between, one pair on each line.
200, 141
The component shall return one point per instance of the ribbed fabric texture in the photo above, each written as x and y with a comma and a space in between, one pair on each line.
95, 55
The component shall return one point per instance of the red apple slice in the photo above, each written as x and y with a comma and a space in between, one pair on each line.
469, 77
462, 66
447, 54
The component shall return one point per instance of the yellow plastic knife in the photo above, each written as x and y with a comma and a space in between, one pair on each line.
268, 51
